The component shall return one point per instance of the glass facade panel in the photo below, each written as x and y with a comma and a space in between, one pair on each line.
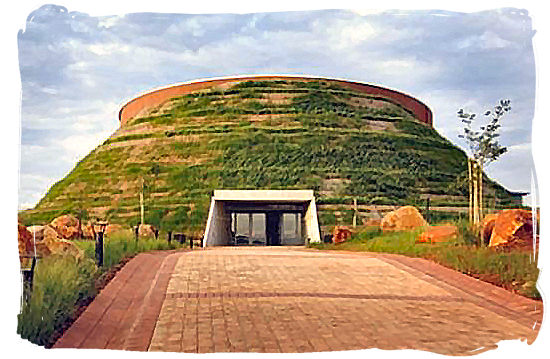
258, 228
291, 229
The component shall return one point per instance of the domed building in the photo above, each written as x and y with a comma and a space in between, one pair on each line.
349, 149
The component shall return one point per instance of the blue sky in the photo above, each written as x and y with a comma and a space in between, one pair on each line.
77, 70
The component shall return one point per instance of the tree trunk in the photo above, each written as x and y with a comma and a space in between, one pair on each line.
470, 193
480, 178
475, 172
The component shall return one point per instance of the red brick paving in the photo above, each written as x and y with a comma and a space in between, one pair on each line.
124, 314
298, 300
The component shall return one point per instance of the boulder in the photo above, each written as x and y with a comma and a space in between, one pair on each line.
487, 227
340, 234
67, 226
146, 230
88, 230
403, 219
51, 243
437, 234
64, 247
37, 232
25, 241
513, 228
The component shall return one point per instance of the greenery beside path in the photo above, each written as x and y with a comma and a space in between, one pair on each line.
64, 284
514, 270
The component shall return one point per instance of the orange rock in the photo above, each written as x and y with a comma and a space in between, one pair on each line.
513, 228
487, 227
88, 230
403, 219
67, 226
340, 234
53, 244
25, 242
146, 230
437, 234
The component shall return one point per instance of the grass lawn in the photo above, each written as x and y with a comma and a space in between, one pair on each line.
62, 284
514, 270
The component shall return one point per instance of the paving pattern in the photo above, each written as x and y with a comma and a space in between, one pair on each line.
297, 300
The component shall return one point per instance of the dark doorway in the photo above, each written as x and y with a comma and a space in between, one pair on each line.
272, 228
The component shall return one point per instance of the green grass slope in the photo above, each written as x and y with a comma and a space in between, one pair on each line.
279, 134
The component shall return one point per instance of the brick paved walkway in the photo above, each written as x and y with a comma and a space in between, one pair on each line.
298, 300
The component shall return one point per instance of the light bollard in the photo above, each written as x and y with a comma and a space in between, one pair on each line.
99, 249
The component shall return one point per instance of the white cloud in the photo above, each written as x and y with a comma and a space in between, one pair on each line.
76, 77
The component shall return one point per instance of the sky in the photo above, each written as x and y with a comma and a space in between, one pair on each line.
78, 70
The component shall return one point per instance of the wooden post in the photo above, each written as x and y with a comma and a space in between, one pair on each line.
354, 212
136, 232
475, 172
428, 209
480, 177
142, 210
169, 237
470, 193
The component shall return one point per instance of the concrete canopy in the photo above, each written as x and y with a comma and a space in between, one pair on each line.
224, 202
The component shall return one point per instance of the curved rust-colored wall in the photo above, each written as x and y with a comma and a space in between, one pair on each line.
156, 97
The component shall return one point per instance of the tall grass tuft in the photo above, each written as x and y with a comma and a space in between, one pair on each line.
59, 284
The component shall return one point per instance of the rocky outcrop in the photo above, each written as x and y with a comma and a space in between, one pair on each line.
438, 234
88, 230
67, 226
146, 231
340, 234
513, 228
25, 240
403, 219
487, 227
43, 241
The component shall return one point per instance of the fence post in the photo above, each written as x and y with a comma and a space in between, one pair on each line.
428, 209
169, 237
136, 232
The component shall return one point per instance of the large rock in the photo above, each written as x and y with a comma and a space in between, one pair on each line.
48, 242
487, 227
340, 234
513, 229
437, 234
25, 241
403, 219
67, 226
146, 230
88, 230
37, 232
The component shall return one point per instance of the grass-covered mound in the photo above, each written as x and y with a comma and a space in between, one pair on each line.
277, 134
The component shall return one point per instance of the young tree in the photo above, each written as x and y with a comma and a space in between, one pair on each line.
484, 148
